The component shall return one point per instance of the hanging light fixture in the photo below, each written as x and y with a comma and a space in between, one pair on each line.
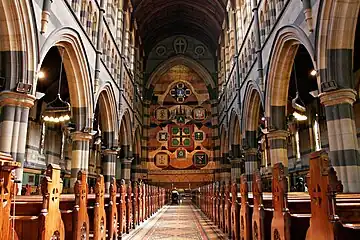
58, 110
298, 107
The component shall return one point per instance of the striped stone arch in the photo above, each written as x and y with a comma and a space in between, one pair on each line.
336, 27
251, 114
181, 60
125, 137
224, 144
235, 134
253, 103
283, 52
19, 43
109, 115
77, 71
136, 172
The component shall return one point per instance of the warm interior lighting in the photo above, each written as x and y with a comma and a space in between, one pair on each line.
57, 111
41, 75
313, 72
299, 116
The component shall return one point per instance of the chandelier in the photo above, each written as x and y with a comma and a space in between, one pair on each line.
58, 110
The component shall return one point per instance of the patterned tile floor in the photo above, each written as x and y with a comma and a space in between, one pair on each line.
177, 222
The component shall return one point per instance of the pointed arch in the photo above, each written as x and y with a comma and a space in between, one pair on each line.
181, 60
283, 52
77, 72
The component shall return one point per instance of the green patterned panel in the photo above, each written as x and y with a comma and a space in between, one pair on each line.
175, 142
186, 142
186, 131
175, 130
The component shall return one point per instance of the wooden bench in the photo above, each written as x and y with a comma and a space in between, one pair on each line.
72, 216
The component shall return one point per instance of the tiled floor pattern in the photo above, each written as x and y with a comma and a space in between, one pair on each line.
177, 222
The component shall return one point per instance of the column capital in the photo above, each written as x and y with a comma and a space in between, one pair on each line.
109, 152
337, 97
278, 134
81, 136
251, 151
127, 160
16, 99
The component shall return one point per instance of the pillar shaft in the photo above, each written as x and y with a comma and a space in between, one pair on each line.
344, 150
278, 147
80, 154
14, 109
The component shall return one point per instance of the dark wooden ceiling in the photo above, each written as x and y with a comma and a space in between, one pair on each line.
158, 19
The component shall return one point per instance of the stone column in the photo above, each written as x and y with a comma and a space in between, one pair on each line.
235, 169
251, 164
80, 154
344, 150
126, 168
108, 166
277, 140
14, 108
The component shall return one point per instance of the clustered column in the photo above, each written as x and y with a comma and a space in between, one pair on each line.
344, 150
80, 154
277, 140
14, 125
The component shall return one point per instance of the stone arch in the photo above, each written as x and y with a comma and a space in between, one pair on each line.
224, 143
283, 53
77, 71
125, 128
19, 43
253, 102
137, 154
335, 42
107, 104
181, 60
235, 137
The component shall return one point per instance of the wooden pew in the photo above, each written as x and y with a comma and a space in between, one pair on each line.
45, 220
227, 209
129, 210
135, 205
99, 209
140, 202
112, 213
258, 216
7, 189
222, 206
280, 225
122, 208
80, 224
328, 221
245, 220
235, 234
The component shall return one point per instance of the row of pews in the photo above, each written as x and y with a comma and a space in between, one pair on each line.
81, 215
324, 213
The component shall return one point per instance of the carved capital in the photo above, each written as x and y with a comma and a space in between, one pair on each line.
338, 97
16, 99
278, 134
81, 136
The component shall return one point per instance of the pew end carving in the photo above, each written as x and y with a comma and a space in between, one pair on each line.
80, 227
280, 225
51, 225
245, 229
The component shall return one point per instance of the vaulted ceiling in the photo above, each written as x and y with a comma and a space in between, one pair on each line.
158, 19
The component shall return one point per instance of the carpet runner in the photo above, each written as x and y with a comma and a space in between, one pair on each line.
177, 222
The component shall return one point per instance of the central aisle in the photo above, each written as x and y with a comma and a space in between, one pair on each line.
177, 222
